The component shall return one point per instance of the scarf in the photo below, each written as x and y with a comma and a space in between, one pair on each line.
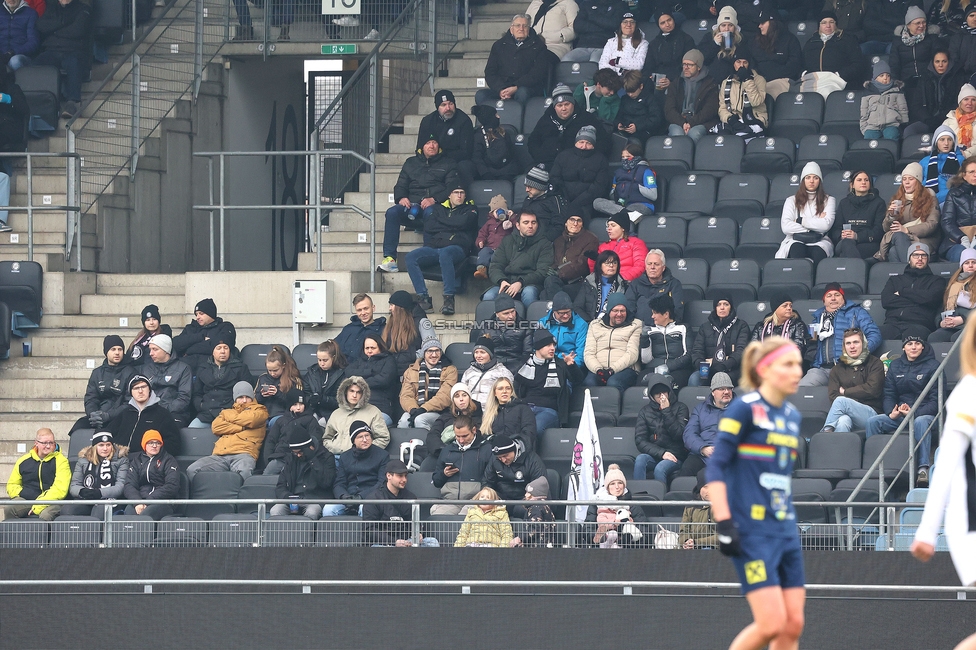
543, 10
720, 353
943, 163
631, 164
854, 363
99, 476
882, 88
429, 381
965, 121
484, 367
528, 371
769, 328
826, 334
826, 37
910, 40
691, 92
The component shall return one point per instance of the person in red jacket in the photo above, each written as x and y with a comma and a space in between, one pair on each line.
631, 250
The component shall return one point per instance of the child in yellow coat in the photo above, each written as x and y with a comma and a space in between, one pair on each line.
485, 525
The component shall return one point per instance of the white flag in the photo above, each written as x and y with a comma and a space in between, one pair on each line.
586, 472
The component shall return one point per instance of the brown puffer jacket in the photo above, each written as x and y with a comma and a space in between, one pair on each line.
240, 429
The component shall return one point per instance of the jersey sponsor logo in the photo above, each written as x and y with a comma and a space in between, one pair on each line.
760, 417
772, 481
758, 512
755, 572
757, 452
728, 425
781, 439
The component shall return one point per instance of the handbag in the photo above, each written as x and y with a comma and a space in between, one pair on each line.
807, 237
665, 539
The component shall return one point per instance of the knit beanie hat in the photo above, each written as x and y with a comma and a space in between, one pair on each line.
152, 434
913, 13
777, 298
811, 168
833, 286
913, 169
721, 380
562, 93
111, 341
621, 219
299, 438
728, 15
880, 68
587, 134
485, 343
695, 56
614, 474
541, 339
502, 445
968, 254
504, 302
538, 178
402, 300
967, 90
430, 344
486, 116
207, 306
443, 96
615, 299
162, 342
460, 387
150, 311
498, 202
101, 436
358, 427
538, 488
827, 13
243, 389
138, 379
918, 247
561, 301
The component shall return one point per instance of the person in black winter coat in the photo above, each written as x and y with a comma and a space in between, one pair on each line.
912, 300
548, 206
309, 473
460, 466
557, 128
658, 434
511, 469
494, 155
545, 382
913, 47
641, 114
379, 370
720, 343
948, 15
196, 342
213, 386
958, 213
962, 45
153, 475
108, 387
881, 18
509, 416
170, 378
936, 93
596, 21
665, 50
14, 111
581, 174
857, 229
449, 234
350, 339
518, 65
776, 54
359, 470
511, 336
322, 379
452, 129
274, 451
144, 413
840, 53
65, 30
388, 524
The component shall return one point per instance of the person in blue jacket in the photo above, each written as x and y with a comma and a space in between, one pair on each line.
749, 477
827, 340
702, 428
566, 326
944, 162
18, 33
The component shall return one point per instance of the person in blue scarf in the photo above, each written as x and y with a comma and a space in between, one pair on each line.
943, 164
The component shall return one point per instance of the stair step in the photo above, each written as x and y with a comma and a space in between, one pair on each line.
98, 324
126, 305
149, 281
21, 428
20, 405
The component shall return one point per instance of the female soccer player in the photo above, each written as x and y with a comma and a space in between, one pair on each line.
953, 483
749, 481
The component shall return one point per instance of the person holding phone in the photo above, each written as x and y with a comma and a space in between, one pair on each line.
857, 229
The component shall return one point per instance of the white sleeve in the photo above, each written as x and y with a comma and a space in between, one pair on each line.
953, 446
788, 222
608, 51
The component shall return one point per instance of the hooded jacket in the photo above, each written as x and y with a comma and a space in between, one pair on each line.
616, 348
471, 461
385, 523
958, 210
660, 430
581, 175
910, 61
435, 402
863, 382
85, 474
880, 110
495, 158
41, 479
336, 436
455, 136
360, 471
569, 255
524, 64
482, 528
517, 421
702, 429
644, 112
906, 379
918, 300
196, 342
631, 251
108, 387
152, 478
587, 304
240, 429
864, 214
556, 25
213, 387
132, 423
705, 107
840, 54
785, 61
321, 386
509, 481
642, 291
172, 382
447, 226
492, 232
668, 346
521, 259
665, 52
550, 210
479, 381
595, 23
18, 30
570, 337
65, 28
553, 135
380, 373
350, 339
850, 314
422, 177
935, 95
308, 477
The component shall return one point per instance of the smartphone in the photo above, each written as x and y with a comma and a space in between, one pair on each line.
847, 226
448, 464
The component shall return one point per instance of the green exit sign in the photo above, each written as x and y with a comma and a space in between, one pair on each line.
340, 48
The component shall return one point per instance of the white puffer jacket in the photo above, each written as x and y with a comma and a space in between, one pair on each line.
629, 58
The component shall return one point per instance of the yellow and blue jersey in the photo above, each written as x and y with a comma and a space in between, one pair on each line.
755, 452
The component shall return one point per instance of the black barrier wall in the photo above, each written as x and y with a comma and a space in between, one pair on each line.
523, 617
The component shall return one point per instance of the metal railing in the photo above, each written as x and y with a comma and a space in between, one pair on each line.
72, 207
314, 208
246, 522
161, 67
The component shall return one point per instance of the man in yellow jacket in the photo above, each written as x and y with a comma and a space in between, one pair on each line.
42, 474
240, 432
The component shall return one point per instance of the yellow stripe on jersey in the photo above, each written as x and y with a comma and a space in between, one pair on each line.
728, 425
970, 420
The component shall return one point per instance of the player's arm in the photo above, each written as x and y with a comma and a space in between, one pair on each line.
732, 424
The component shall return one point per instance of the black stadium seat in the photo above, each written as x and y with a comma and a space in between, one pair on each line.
711, 238
826, 150
738, 278
720, 153
914, 148
803, 30
832, 456
873, 156
781, 187
573, 73
305, 356
534, 109
850, 272
691, 195
634, 399
837, 184
481, 192
752, 311
522, 153
485, 310
509, 111
598, 226
697, 28
537, 310
797, 115
793, 276
666, 233
741, 196
759, 239
518, 188
42, 89
670, 155
880, 272
606, 405
842, 114
6, 334
255, 355
887, 185
872, 305
696, 313
213, 485
768, 156
693, 274
21, 288
460, 355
